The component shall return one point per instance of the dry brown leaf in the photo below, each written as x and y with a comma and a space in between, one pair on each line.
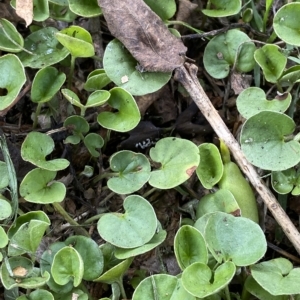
24, 9
144, 34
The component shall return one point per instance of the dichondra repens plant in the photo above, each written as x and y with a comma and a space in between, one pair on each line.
222, 242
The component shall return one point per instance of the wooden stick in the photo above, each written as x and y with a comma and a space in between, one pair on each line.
187, 76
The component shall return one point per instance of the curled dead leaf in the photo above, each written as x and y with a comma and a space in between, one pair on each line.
144, 34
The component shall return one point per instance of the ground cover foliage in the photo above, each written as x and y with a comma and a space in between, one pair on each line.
118, 180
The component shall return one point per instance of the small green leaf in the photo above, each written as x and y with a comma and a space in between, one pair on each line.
61, 13
96, 80
3, 238
235, 239
97, 98
10, 39
93, 141
271, 60
200, 281
283, 182
133, 172
225, 50
45, 49
38, 187
72, 97
12, 78
263, 141
122, 69
253, 100
286, 24
77, 40
36, 147
131, 229
179, 158
164, 9
67, 266
161, 286
90, 253
223, 8
128, 115
38, 295
46, 84
87, 8
221, 200
77, 124
210, 168
277, 276
290, 76
190, 247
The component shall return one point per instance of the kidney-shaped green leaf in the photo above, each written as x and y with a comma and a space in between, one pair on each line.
286, 23
133, 171
67, 266
93, 141
161, 286
253, 100
132, 229
179, 158
44, 47
86, 8
225, 50
235, 239
127, 116
38, 187
90, 253
37, 295
223, 8
46, 84
124, 71
190, 247
263, 141
12, 78
165, 10
277, 276
77, 40
96, 80
210, 168
200, 281
36, 147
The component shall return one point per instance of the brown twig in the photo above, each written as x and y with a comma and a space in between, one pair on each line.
187, 76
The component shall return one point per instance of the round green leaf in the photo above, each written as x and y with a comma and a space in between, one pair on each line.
122, 69
46, 84
277, 276
77, 40
67, 266
87, 8
179, 158
94, 141
5, 208
61, 13
210, 168
235, 239
164, 9
221, 200
157, 239
45, 49
3, 238
223, 8
90, 253
161, 286
283, 182
223, 50
96, 80
132, 229
12, 78
133, 172
38, 295
77, 124
97, 98
271, 60
127, 116
4, 179
38, 187
200, 281
36, 147
263, 141
190, 247
115, 273
10, 39
286, 24
253, 100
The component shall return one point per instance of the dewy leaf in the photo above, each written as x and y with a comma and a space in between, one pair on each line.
144, 34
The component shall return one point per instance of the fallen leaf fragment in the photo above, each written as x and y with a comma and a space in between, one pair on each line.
24, 9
